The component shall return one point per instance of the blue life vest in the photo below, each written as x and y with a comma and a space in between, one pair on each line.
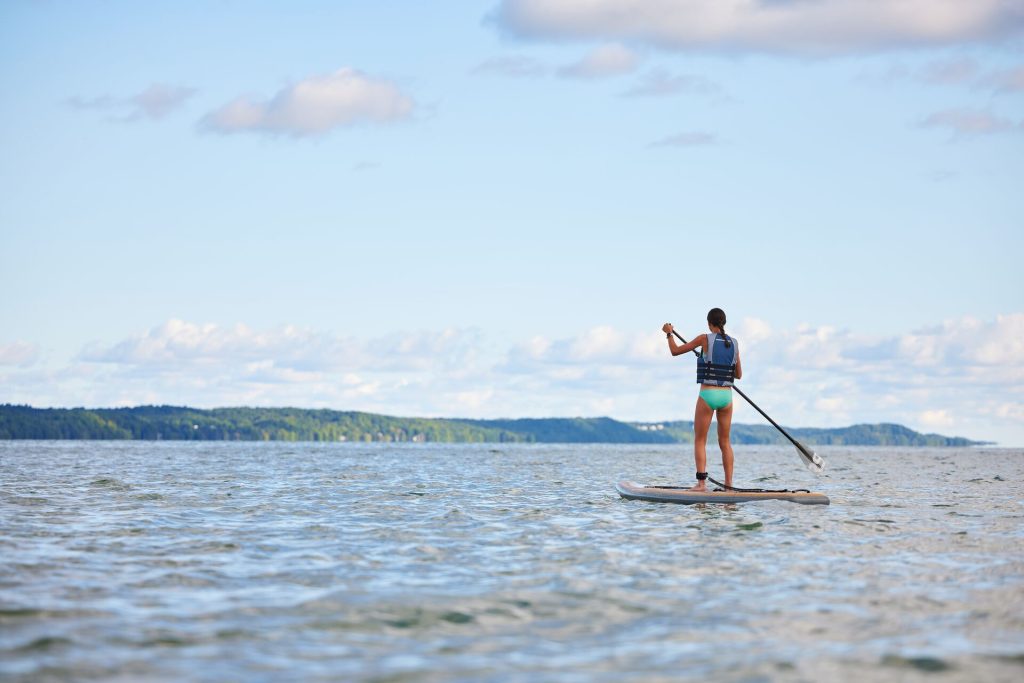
717, 365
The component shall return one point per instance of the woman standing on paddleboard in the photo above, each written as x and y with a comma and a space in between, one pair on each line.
717, 366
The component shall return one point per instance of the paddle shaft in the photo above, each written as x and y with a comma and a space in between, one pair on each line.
756, 407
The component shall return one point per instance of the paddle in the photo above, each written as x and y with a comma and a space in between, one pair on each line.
813, 461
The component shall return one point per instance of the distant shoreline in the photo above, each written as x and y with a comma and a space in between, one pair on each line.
180, 423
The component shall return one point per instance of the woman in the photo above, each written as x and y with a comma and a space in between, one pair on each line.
717, 367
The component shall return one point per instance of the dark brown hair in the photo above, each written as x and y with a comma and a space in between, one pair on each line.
716, 317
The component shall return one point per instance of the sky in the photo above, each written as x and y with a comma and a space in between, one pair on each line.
488, 208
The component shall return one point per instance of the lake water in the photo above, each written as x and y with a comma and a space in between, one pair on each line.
269, 561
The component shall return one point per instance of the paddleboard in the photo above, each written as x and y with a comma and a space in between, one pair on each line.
667, 494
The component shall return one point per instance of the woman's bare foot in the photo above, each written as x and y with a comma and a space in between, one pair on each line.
700, 486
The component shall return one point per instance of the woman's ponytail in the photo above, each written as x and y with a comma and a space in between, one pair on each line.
716, 317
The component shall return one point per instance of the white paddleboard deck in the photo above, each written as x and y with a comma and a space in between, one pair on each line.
666, 494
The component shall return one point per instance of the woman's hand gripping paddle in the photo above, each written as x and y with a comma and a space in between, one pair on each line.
812, 460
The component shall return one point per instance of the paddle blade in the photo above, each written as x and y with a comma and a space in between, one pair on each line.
814, 462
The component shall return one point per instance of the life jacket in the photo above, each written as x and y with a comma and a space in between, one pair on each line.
717, 365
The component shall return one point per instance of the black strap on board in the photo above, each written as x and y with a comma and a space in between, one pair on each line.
738, 490
726, 488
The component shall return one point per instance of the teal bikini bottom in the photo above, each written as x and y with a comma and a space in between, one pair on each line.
716, 398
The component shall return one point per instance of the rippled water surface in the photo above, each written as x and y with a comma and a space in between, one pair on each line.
266, 562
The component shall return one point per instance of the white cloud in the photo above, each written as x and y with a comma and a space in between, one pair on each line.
179, 344
660, 83
950, 72
962, 376
315, 106
607, 60
969, 343
1012, 411
756, 330
971, 122
206, 365
19, 353
474, 401
598, 346
153, 103
1006, 80
158, 100
937, 418
802, 27
986, 348
961, 71
599, 343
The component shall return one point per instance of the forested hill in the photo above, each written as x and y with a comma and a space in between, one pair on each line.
297, 424
883, 434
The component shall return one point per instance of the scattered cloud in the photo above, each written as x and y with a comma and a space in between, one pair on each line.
21, 354
660, 83
1011, 411
607, 60
966, 74
314, 106
600, 344
797, 27
157, 101
153, 103
950, 72
178, 343
963, 376
690, 139
971, 122
517, 66
1006, 80
962, 71
937, 418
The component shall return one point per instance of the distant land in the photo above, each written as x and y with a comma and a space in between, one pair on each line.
154, 423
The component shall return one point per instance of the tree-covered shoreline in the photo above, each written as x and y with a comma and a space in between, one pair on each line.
152, 423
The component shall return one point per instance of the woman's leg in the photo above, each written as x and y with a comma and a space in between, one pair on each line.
701, 424
724, 426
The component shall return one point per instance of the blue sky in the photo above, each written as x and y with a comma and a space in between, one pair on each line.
489, 208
